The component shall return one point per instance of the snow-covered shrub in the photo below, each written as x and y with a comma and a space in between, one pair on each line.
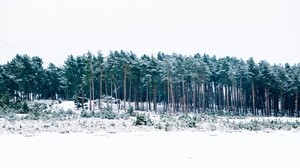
62, 114
142, 119
165, 117
106, 113
25, 108
86, 114
212, 127
124, 116
168, 126
130, 111
8, 113
158, 126
37, 111
188, 121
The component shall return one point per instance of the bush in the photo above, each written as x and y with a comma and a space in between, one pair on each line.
188, 120
62, 114
37, 111
142, 119
106, 113
168, 127
165, 117
8, 113
131, 112
158, 126
212, 127
124, 116
86, 114
25, 108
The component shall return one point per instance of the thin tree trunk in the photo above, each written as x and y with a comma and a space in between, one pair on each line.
296, 104
154, 97
253, 98
90, 83
266, 102
241, 96
111, 95
130, 93
227, 98
220, 103
186, 96
172, 96
147, 94
135, 97
165, 101
106, 93
168, 102
199, 97
194, 96
203, 91
281, 103
100, 92
117, 97
141, 100
183, 94
125, 88
93, 94
82, 103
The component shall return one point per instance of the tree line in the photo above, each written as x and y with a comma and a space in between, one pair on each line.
178, 83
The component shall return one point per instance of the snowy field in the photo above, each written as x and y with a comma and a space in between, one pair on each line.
152, 149
94, 142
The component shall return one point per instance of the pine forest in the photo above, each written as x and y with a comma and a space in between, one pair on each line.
176, 83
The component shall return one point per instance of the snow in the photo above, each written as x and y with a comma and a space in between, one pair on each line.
152, 149
65, 105
93, 142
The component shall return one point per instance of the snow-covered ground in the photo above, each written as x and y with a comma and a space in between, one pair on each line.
152, 149
95, 142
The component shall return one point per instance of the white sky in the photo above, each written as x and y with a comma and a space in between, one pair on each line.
54, 29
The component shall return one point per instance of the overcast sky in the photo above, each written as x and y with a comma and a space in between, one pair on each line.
53, 29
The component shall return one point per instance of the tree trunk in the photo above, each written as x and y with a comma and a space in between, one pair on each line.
220, 103
106, 93
227, 98
111, 95
165, 107
93, 94
194, 96
281, 103
130, 93
154, 97
90, 84
253, 98
199, 97
100, 91
135, 97
117, 97
82, 104
296, 104
203, 92
147, 96
169, 98
125, 88
183, 94
172, 96
241, 97
266, 102
141, 99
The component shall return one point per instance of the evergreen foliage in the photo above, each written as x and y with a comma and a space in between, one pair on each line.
178, 83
